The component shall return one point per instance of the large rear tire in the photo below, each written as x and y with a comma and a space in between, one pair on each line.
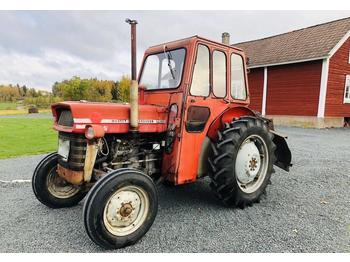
241, 162
52, 190
120, 208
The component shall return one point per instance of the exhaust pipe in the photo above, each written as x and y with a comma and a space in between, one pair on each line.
225, 38
134, 88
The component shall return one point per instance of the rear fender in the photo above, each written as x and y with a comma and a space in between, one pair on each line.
282, 152
226, 117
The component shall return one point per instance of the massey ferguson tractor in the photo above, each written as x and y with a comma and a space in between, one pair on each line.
188, 118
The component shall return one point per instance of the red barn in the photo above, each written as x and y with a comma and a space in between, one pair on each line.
302, 77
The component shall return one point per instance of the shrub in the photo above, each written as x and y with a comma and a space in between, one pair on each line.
42, 101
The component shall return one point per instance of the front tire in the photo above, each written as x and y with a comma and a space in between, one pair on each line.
241, 162
52, 190
120, 208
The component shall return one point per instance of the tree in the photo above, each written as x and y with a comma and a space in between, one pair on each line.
115, 91
56, 89
9, 93
84, 89
124, 89
32, 92
24, 90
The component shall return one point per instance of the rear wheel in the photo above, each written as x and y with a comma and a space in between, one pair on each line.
241, 161
52, 190
120, 208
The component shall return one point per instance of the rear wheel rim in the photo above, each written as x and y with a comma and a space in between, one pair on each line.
58, 187
126, 210
252, 163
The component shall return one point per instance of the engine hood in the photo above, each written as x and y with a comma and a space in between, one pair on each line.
114, 117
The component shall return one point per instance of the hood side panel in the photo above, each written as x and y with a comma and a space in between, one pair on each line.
112, 116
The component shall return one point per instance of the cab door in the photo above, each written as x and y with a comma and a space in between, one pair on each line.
204, 102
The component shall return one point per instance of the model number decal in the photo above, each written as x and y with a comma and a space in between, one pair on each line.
114, 121
151, 121
82, 120
126, 121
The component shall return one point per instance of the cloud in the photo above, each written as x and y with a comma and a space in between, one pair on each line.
52, 65
38, 48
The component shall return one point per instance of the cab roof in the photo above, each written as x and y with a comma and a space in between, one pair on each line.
187, 41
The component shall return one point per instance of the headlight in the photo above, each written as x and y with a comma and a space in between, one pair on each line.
89, 132
94, 131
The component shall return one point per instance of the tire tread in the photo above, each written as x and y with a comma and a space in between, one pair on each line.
223, 183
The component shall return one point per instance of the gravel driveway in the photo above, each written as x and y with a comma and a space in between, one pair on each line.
306, 210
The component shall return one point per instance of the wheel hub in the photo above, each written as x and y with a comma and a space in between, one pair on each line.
247, 162
126, 210
58, 187
122, 209
253, 164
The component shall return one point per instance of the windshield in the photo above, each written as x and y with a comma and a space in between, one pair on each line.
163, 70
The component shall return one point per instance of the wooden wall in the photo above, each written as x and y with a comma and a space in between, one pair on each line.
256, 82
293, 89
339, 67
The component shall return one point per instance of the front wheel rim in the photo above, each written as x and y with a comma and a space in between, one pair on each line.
126, 210
58, 187
252, 163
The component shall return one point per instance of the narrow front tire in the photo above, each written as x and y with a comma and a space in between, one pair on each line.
120, 208
52, 190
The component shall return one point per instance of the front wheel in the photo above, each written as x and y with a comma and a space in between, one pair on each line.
242, 161
120, 208
52, 190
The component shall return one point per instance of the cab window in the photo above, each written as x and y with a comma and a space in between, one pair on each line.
238, 88
163, 70
219, 74
200, 82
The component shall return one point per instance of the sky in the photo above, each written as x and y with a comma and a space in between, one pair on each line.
38, 48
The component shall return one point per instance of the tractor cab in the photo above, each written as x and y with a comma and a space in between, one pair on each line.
203, 83
197, 67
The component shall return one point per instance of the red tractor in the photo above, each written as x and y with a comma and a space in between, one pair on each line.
188, 117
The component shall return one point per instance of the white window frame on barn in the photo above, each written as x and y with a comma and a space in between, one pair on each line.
347, 90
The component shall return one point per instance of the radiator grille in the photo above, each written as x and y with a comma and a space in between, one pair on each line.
77, 151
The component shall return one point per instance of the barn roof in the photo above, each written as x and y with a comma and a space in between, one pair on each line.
305, 44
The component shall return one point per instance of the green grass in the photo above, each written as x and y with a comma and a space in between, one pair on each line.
7, 106
20, 137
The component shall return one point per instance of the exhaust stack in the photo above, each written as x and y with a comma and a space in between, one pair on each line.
134, 96
225, 38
